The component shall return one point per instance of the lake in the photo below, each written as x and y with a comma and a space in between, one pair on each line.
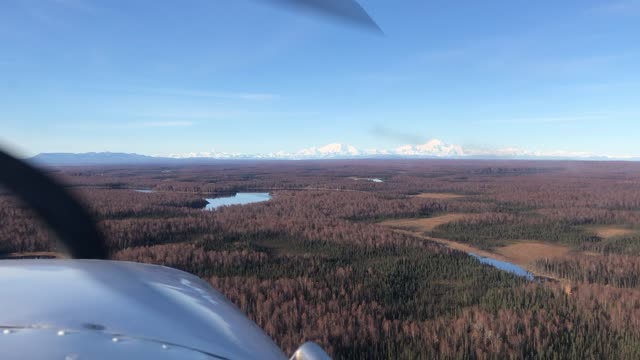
375, 180
241, 198
503, 265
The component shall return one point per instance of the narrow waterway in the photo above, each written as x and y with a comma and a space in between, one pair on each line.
480, 255
504, 265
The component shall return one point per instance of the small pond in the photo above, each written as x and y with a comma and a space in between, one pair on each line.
241, 198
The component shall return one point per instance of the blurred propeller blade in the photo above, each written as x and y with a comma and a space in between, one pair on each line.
347, 10
57, 207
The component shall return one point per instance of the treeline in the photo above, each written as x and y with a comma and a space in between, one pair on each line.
615, 270
624, 245
20, 230
131, 219
121, 204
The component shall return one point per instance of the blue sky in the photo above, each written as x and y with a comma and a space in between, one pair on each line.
168, 77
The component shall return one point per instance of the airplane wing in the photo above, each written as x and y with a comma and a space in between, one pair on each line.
89, 309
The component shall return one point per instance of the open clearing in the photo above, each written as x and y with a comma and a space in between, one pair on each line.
439, 196
525, 252
422, 224
454, 245
521, 253
608, 232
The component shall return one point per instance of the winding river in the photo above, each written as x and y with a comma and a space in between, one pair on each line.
503, 265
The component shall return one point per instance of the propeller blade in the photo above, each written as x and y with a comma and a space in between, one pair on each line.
57, 207
347, 10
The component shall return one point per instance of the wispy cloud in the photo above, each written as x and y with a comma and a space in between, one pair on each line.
535, 51
80, 5
449, 54
538, 120
623, 7
396, 136
55, 13
253, 96
222, 114
192, 114
158, 124
560, 119
572, 64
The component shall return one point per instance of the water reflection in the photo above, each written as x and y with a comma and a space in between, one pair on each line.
240, 198
503, 265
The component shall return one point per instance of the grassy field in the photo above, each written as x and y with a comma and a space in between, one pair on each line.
422, 224
524, 253
608, 232
439, 196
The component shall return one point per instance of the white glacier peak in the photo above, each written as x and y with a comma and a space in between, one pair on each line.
433, 148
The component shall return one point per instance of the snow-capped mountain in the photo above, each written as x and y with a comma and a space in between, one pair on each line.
329, 151
209, 155
433, 148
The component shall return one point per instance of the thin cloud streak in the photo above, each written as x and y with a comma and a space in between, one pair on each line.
54, 13
80, 5
624, 7
539, 120
210, 94
396, 136
158, 124
223, 114
559, 119
161, 92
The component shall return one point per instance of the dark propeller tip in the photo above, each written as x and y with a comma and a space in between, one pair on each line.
58, 208
348, 11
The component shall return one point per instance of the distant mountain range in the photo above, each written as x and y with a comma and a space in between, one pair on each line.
94, 158
431, 149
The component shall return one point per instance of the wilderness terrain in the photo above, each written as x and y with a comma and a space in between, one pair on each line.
379, 269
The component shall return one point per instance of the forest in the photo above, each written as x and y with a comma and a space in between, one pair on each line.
317, 262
